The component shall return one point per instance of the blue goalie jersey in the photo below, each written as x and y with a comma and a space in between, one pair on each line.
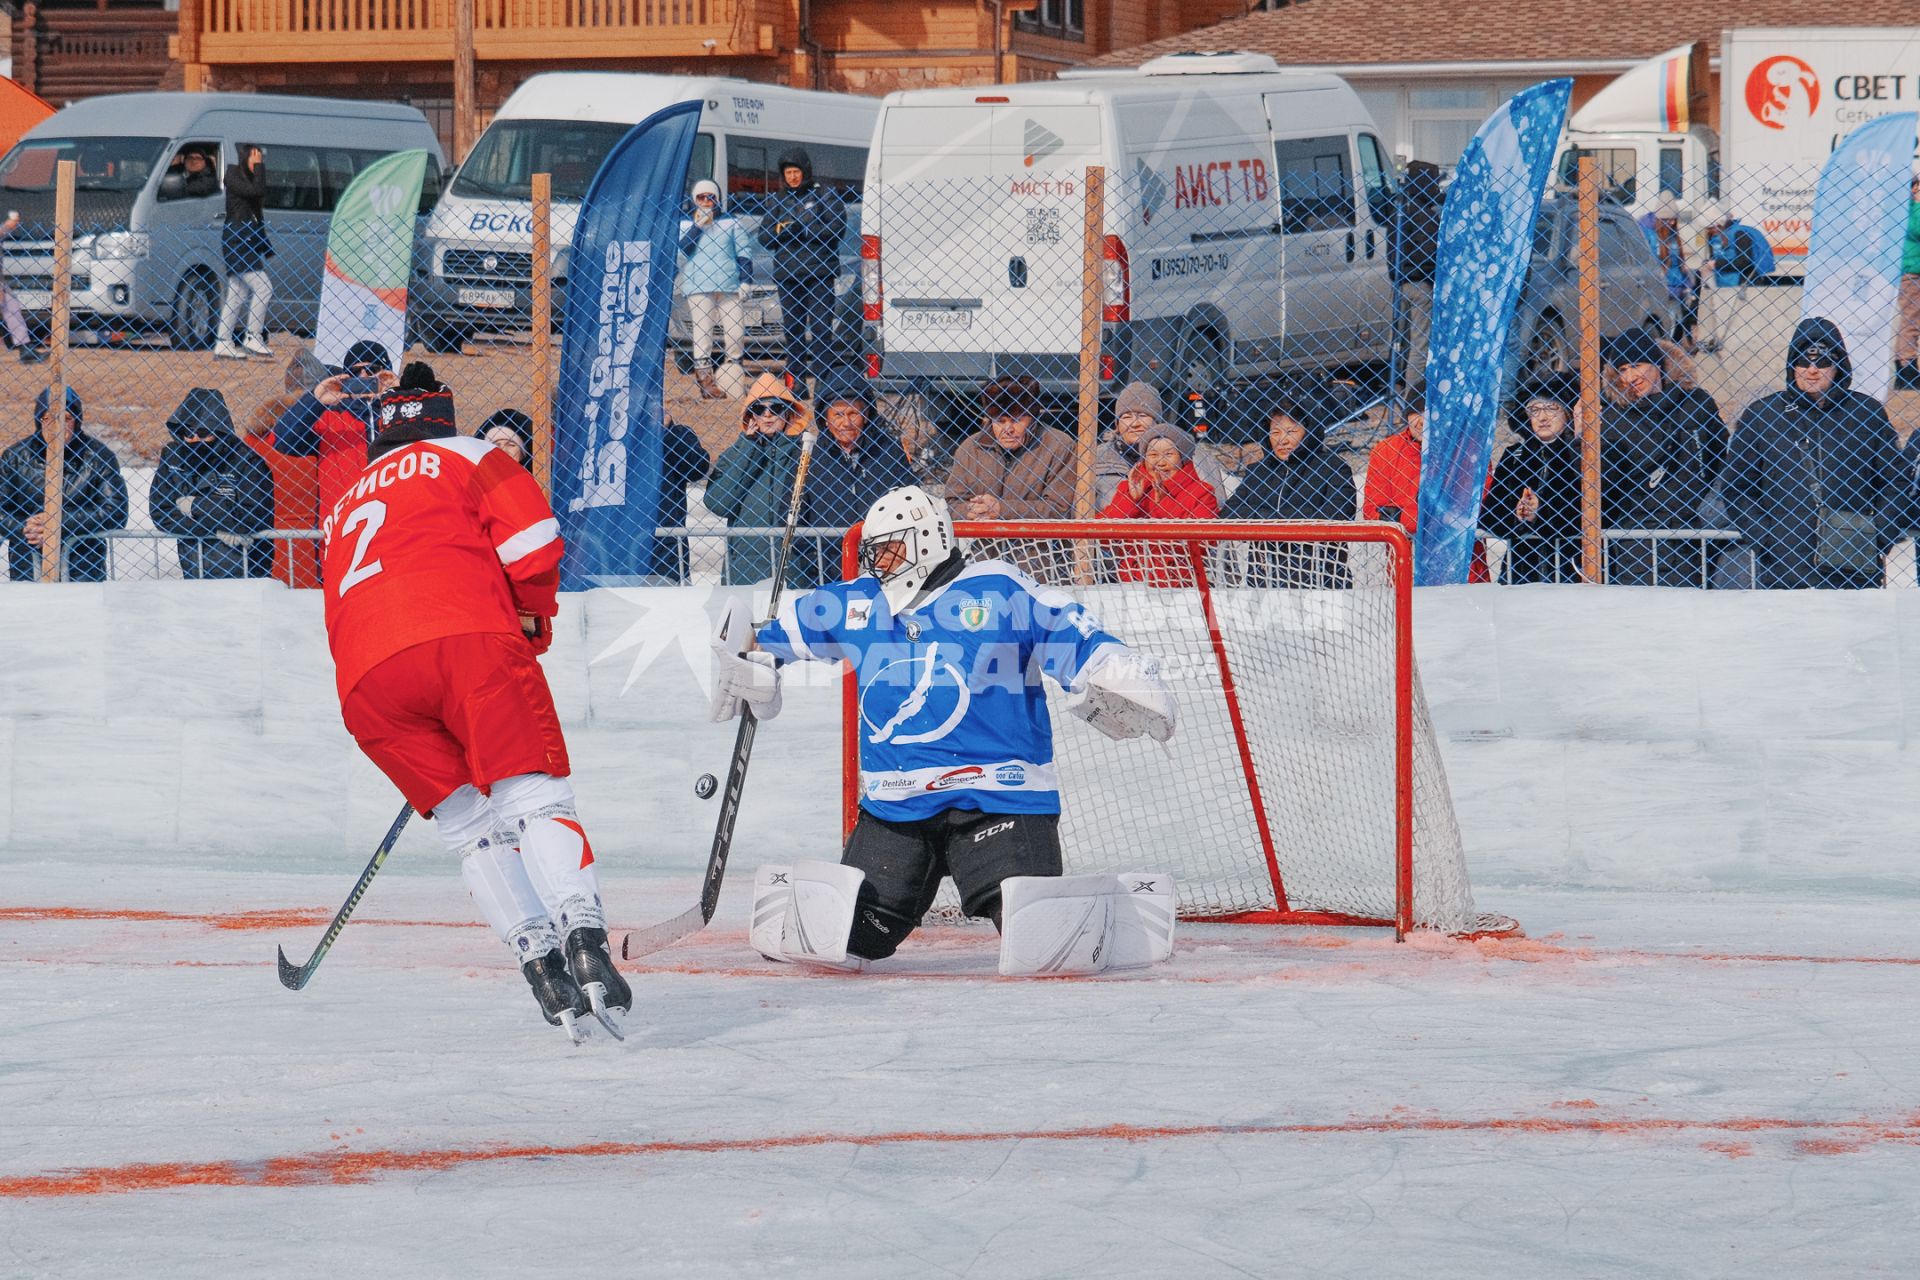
953, 714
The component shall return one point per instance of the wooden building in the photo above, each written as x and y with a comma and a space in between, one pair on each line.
406, 49
65, 50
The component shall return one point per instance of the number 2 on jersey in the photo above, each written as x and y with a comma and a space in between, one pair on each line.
367, 517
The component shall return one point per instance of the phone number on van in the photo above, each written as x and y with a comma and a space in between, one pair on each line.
1188, 264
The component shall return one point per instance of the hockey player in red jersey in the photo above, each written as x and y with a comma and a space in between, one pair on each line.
442, 563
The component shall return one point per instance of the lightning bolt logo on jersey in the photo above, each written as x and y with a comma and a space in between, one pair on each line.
953, 712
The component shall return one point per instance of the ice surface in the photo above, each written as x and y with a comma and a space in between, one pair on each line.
1702, 1062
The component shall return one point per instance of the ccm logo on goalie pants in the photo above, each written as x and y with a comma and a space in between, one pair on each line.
993, 830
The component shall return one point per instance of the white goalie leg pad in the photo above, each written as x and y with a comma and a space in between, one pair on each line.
497, 878
772, 896
820, 918
1122, 696
554, 847
1059, 926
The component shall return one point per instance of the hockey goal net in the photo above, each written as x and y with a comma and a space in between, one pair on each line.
1304, 783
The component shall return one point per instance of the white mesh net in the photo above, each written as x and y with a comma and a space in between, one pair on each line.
1306, 633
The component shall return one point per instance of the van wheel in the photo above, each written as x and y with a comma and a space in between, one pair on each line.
196, 310
1548, 351
1203, 361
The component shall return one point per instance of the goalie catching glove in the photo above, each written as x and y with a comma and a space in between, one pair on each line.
742, 676
1121, 695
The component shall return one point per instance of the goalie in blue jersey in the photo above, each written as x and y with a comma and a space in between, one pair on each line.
956, 753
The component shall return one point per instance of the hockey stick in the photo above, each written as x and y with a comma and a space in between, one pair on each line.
293, 979
654, 937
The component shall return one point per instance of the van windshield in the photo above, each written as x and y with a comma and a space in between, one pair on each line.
507, 156
104, 164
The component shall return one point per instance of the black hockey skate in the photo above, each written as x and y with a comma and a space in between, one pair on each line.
592, 963
561, 1000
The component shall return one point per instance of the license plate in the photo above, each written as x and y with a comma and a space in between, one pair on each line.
486, 297
937, 319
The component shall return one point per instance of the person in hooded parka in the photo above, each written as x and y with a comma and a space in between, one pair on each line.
212, 492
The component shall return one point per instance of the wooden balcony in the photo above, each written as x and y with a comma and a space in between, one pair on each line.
289, 31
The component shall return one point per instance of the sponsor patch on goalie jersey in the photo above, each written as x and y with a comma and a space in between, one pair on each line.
1010, 775
859, 614
974, 614
964, 777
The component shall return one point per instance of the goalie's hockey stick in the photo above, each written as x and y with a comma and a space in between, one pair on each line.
640, 942
295, 978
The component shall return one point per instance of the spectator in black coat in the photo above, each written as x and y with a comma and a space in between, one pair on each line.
1413, 241
803, 227
1661, 449
244, 250
1535, 500
212, 492
857, 459
1815, 479
1298, 479
93, 495
684, 461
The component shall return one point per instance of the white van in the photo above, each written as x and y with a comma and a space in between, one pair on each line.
1244, 230
480, 239
146, 253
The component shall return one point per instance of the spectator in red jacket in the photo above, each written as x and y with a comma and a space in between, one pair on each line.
338, 420
1392, 490
1163, 485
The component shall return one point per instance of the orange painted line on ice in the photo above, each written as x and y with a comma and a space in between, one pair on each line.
1521, 949
337, 1168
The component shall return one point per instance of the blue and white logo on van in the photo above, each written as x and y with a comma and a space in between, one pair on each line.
1152, 188
1010, 775
1041, 142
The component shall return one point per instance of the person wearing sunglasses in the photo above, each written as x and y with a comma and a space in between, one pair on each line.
752, 480
715, 271
1814, 474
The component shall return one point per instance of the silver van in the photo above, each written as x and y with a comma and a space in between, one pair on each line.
146, 251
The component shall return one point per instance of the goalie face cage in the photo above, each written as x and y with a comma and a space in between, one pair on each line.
1304, 783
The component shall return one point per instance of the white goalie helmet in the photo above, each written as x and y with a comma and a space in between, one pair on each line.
915, 522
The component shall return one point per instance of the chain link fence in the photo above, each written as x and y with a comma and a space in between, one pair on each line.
1244, 339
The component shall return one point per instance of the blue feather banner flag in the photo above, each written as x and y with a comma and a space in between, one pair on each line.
607, 441
1486, 239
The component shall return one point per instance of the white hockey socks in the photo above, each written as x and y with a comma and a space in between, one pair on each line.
497, 878
1069, 925
819, 915
554, 848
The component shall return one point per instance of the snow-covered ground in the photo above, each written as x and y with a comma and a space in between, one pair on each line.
1702, 1061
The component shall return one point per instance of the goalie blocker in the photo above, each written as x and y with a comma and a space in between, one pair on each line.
1051, 926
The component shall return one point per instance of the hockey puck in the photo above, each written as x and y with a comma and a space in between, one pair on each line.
705, 785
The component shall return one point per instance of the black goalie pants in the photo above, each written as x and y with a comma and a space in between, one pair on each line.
904, 863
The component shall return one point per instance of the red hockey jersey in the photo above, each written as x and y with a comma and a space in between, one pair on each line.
437, 538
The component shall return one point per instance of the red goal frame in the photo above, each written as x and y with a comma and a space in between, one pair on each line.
1198, 535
